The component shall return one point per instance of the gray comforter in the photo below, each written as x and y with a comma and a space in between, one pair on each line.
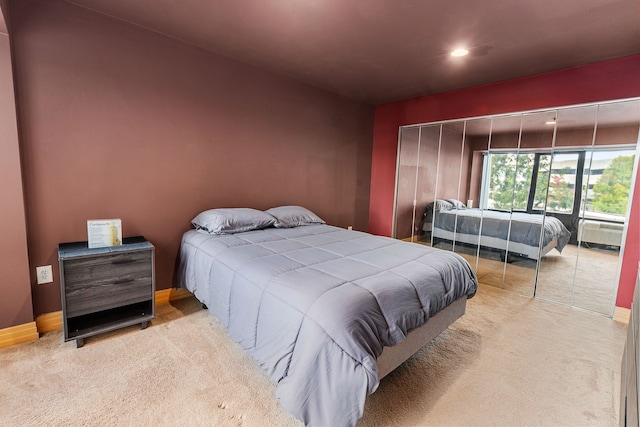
314, 305
525, 228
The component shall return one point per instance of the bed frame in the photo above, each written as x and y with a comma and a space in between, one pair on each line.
477, 238
392, 357
515, 248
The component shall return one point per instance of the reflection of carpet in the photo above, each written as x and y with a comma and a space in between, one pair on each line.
596, 278
595, 271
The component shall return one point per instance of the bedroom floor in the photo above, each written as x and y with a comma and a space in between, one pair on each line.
510, 360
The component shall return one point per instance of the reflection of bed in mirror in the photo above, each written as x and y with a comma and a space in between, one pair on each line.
517, 233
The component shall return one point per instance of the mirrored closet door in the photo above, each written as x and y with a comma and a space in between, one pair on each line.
536, 201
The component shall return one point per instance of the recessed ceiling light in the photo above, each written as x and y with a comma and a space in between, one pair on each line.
459, 52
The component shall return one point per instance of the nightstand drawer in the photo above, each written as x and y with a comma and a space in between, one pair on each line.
107, 281
79, 271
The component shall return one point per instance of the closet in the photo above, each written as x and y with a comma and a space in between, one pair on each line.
494, 189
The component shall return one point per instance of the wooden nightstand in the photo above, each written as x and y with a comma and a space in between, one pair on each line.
106, 288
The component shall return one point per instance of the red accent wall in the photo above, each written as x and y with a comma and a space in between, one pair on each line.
119, 122
607, 80
630, 262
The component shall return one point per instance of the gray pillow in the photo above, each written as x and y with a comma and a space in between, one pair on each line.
232, 220
442, 205
457, 204
293, 216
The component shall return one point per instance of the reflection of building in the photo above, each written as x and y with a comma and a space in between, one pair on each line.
567, 168
565, 165
561, 191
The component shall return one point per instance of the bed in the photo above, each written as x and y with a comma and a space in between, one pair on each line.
325, 311
518, 233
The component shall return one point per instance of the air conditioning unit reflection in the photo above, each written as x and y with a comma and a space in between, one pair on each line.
603, 233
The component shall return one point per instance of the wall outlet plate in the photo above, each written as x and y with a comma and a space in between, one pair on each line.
44, 274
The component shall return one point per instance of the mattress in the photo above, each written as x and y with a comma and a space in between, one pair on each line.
522, 231
315, 305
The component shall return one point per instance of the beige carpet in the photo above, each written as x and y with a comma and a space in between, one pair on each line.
509, 361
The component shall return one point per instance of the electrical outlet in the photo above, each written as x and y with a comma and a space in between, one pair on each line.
44, 274
350, 227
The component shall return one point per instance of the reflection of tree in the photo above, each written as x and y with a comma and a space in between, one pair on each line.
611, 192
511, 178
542, 182
560, 197
510, 181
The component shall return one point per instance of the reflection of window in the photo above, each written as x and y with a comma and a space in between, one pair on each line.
606, 182
562, 182
540, 195
537, 181
509, 180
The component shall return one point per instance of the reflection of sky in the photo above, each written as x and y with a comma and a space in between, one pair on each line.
597, 155
560, 157
605, 155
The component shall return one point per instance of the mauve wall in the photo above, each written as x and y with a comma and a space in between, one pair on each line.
607, 80
15, 304
120, 122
